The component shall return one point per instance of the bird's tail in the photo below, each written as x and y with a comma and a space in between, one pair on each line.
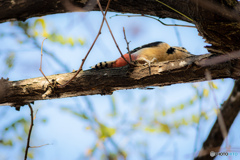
101, 65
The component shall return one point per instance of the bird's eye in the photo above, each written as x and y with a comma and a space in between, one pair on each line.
183, 48
170, 50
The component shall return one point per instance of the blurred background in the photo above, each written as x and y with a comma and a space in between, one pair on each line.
167, 123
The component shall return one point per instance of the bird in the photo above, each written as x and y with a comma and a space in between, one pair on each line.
148, 53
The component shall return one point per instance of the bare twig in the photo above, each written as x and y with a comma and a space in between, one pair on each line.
30, 131
200, 95
54, 57
97, 125
111, 32
40, 69
180, 13
84, 59
157, 19
39, 146
125, 37
219, 114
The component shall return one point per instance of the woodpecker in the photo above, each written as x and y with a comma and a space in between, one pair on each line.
152, 52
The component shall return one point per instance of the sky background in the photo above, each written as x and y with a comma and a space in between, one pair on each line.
70, 137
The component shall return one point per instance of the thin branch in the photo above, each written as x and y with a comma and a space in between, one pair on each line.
219, 114
157, 19
54, 57
200, 95
111, 32
40, 146
230, 110
175, 10
40, 69
127, 44
84, 59
30, 131
94, 122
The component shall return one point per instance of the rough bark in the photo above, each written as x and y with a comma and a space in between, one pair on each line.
106, 81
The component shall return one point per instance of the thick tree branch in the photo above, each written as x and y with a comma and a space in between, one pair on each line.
24, 9
106, 81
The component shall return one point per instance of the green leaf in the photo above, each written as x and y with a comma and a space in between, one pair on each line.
213, 85
106, 131
144, 99
41, 22
19, 138
204, 114
70, 41
184, 122
10, 60
81, 115
150, 129
30, 155
44, 120
113, 106
195, 119
164, 128
7, 143
205, 92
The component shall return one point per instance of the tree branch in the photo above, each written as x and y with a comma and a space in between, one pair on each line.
105, 81
30, 131
24, 9
230, 109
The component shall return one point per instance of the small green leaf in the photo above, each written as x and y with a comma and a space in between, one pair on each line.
164, 128
106, 131
44, 120
8, 143
10, 60
30, 155
205, 92
195, 119
19, 138
144, 99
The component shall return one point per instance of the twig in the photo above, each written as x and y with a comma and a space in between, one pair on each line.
40, 146
219, 114
198, 125
96, 124
175, 10
125, 37
46, 52
40, 69
29, 133
84, 59
111, 32
157, 19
